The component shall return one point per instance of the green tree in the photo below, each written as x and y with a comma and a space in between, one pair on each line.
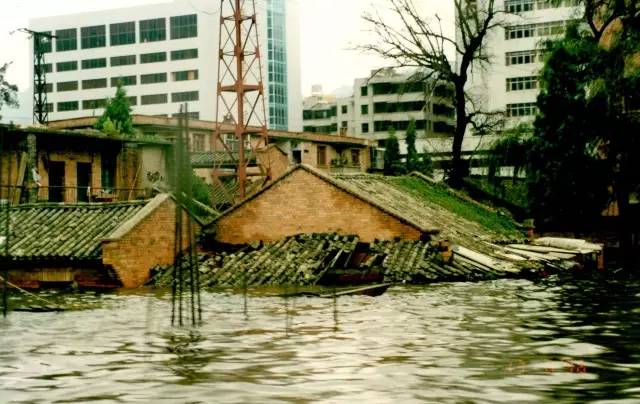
116, 118
8, 92
392, 160
413, 160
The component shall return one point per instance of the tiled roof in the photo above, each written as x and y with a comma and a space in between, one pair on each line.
209, 159
63, 231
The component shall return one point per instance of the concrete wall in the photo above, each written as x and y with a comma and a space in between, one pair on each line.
305, 203
144, 242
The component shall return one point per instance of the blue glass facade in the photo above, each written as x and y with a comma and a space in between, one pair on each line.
277, 64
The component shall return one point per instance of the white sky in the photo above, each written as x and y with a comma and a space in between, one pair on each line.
329, 30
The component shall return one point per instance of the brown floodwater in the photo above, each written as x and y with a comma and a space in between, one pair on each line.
498, 341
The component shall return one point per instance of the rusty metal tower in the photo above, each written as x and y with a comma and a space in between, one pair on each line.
42, 43
241, 127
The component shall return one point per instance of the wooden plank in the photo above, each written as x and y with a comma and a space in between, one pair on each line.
541, 249
580, 245
20, 180
485, 260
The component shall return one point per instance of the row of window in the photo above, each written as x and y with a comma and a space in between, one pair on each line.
144, 100
522, 83
124, 80
125, 60
522, 109
308, 114
524, 57
184, 26
533, 30
519, 6
391, 107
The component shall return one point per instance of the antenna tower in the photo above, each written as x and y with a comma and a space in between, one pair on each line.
40, 42
241, 125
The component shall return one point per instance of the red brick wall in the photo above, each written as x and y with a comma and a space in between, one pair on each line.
304, 203
148, 244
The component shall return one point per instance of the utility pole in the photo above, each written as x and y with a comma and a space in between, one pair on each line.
240, 88
40, 42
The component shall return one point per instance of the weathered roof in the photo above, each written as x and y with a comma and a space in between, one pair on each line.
209, 159
85, 133
65, 231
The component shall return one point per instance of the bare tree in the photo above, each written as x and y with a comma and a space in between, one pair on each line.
409, 40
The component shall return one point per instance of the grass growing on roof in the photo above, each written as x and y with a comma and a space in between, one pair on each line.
443, 196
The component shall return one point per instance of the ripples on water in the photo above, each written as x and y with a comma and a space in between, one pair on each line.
502, 341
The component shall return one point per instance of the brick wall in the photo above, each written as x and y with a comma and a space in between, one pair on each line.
147, 244
304, 203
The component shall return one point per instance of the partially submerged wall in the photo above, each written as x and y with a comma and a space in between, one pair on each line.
303, 203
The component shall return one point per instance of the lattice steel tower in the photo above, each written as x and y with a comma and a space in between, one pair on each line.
42, 43
241, 127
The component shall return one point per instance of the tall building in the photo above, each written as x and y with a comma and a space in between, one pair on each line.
510, 83
165, 54
386, 99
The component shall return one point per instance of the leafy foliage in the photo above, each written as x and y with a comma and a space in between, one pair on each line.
8, 92
116, 119
412, 154
392, 160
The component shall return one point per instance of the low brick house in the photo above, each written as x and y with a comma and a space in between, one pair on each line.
91, 244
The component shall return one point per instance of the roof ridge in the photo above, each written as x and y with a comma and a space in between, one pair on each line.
78, 205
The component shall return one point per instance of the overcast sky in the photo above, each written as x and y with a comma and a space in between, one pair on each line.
329, 29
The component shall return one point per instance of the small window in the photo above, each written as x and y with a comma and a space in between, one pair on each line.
49, 87
123, 60
344, 109
67, 66
94, 104
93, 37
67, 86
153, 99
344, 124
153, 30
123, 33
47, 67
153, 57
67, 39
185, 96
94, 83
322, 155
133, 100
67, 106
45, 43
184, 75
365, 127
198, 142
94, 63
125, 80
184, 26
364, 91
153, 78
183, 54
364, 109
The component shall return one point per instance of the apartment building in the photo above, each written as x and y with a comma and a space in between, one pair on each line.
386, 99
165, 54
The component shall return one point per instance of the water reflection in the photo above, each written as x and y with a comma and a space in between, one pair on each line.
500, 341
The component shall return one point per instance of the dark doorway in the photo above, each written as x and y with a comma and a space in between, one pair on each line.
56, 181
84, 181
297, 156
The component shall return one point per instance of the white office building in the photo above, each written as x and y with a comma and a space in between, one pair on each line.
165, 54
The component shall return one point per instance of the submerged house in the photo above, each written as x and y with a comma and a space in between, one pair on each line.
98, 245
50, 165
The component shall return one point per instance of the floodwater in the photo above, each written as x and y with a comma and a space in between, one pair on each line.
498, 341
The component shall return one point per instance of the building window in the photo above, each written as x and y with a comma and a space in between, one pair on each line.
66, 66
522, 83
364, 109
519, 31
67, 39
94, 83
184, 75
523, 57
123, 33
365, 127
344, 109
184, 26
67, 106
67, 86
125, 80
93, 37
153, 99
185, 96
48, 107
519, 6
364, 91
45, 43
49, 87
198, 142
153, 57
123, 60
322, 155
94, 63
344, 124
48, 67
183, 54
153, 78
133, 100
531, 30
108, 172
355, 157
153, 30
522, 109
94, 104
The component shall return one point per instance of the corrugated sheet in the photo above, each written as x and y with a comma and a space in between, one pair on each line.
59, 231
